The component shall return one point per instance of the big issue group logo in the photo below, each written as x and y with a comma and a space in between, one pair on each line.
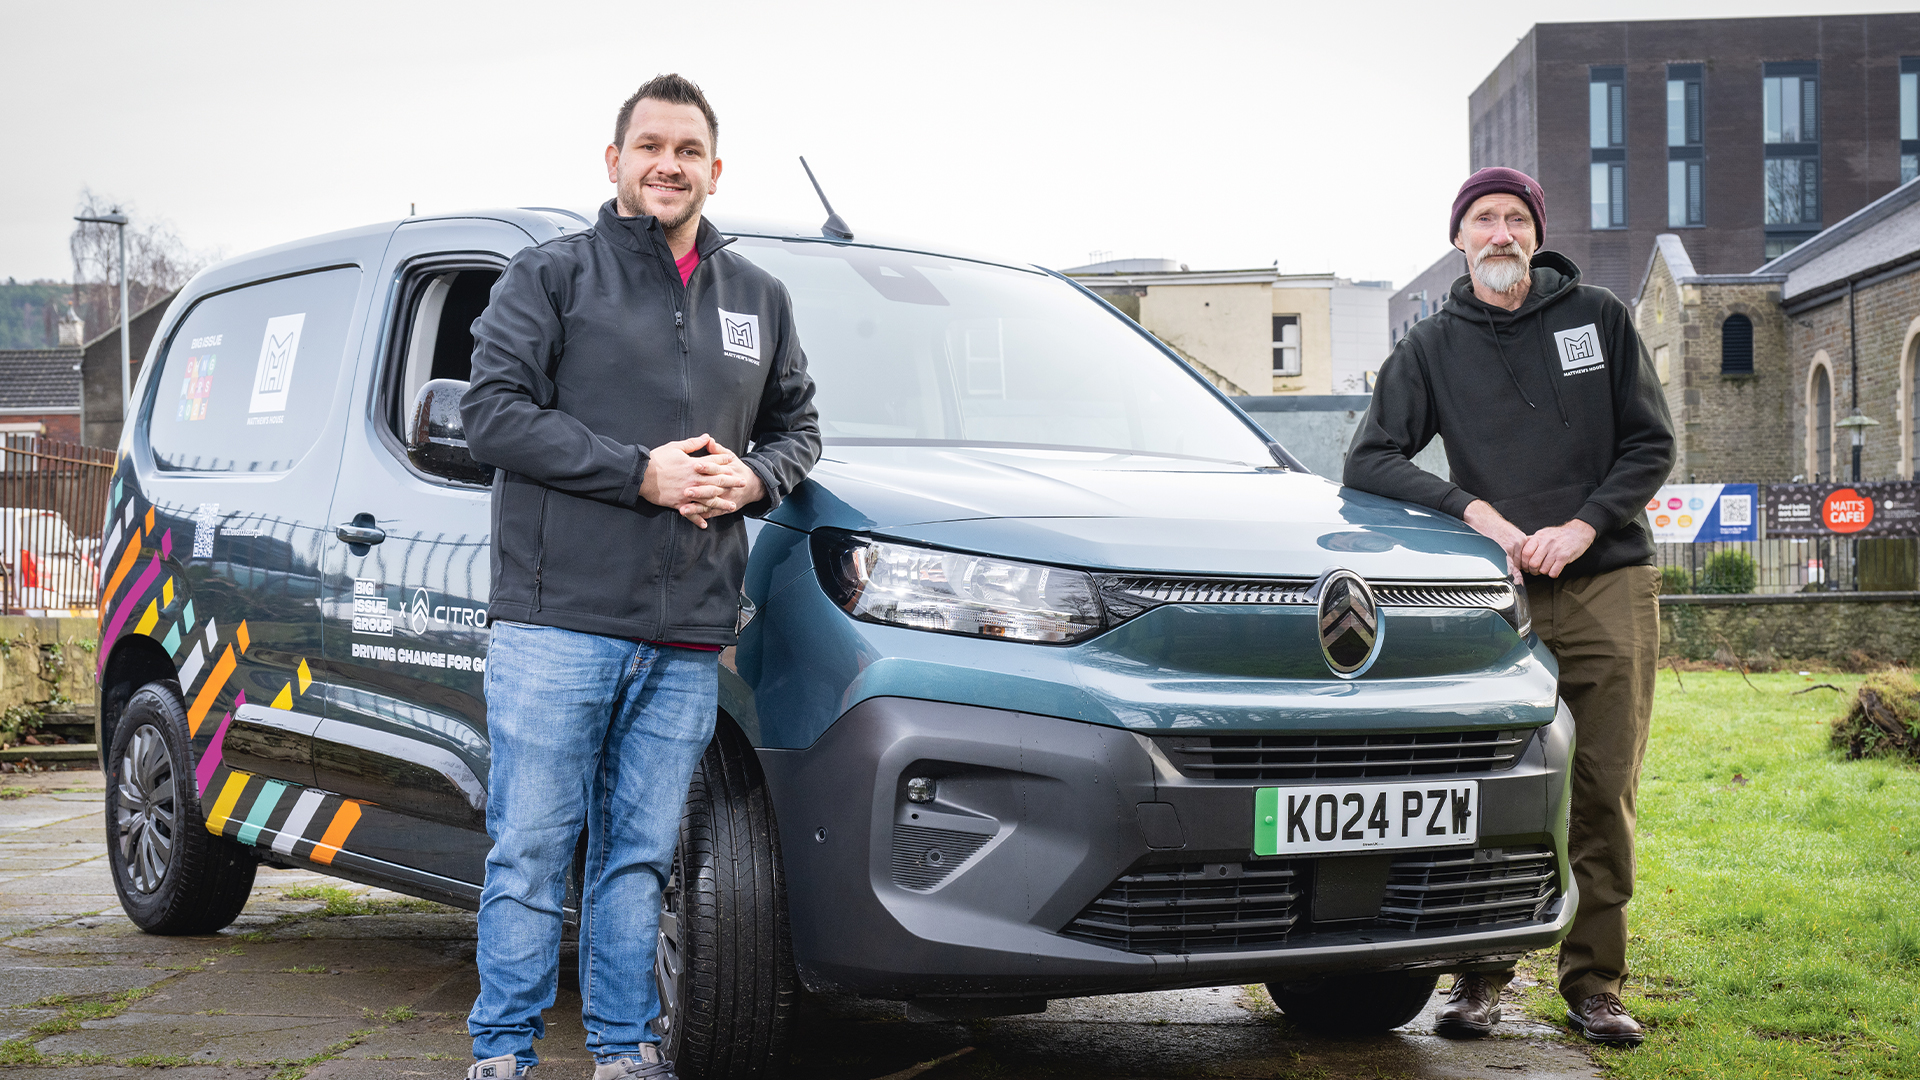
1847, 511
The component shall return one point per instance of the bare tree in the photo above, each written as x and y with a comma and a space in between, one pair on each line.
158, 262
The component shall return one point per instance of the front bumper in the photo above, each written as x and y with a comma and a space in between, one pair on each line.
997, 888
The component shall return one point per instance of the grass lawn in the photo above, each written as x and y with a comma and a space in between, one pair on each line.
1776, 923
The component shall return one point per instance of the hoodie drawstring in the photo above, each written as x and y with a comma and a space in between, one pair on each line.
1547, 351
1504, 362
1539, 326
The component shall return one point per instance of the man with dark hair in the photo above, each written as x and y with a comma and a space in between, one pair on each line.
618, 414
1557, 434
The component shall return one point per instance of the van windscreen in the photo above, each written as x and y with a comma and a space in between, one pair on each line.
906, 347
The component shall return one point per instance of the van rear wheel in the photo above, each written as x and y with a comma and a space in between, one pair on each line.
724, 968
1354, 1004
173, 876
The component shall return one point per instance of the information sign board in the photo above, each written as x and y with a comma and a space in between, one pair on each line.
1703, 513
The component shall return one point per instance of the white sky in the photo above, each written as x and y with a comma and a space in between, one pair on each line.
1329, 136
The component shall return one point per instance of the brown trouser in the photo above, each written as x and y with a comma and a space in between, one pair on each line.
1605, 631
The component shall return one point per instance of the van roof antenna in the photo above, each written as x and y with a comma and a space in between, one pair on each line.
833, 226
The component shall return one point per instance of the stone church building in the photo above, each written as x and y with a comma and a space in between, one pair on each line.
1762, 370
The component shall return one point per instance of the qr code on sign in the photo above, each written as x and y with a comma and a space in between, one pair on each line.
1736, 510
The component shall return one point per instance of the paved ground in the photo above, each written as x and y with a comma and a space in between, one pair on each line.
379, 991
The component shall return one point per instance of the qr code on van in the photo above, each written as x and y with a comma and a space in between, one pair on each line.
1736, 510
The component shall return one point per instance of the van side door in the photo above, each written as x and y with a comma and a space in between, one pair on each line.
405, 723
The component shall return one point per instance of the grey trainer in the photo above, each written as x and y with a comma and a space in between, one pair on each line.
647, 1064
495, 1068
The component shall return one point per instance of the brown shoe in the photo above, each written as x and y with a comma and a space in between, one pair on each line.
1602, 1019
1472, 1008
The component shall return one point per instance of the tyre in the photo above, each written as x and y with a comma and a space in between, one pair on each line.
173, 876
1354, 1004
725, 962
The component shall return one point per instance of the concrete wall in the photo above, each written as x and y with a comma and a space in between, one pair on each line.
1882, 627
1502, 117
1359, 314
1317, 429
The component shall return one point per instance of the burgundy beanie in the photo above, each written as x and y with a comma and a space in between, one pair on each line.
1493, 182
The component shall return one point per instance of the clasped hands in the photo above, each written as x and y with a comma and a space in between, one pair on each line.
714, 483
1545, 552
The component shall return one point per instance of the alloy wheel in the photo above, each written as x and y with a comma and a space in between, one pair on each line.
146, 813
669, 964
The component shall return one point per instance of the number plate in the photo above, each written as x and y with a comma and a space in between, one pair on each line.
1365, 817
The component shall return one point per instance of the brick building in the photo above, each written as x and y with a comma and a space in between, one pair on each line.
1761, 368
100, 371
40, 392
1747, 136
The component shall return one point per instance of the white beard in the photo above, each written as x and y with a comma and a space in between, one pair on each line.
1501, 275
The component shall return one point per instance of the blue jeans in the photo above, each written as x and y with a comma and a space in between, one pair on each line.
587, 731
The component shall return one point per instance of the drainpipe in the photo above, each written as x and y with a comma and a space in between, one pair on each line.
1853, 350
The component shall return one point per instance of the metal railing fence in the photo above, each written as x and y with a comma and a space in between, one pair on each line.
1790, 565
53, 502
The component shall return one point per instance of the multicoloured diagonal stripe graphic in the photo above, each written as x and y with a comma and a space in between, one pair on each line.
257, 811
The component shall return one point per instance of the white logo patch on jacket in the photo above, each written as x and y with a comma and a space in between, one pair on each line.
1579, 349
740, 335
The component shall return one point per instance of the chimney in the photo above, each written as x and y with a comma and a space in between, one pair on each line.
73, 332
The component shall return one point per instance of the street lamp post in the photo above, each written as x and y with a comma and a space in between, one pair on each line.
1857, 426
119, 221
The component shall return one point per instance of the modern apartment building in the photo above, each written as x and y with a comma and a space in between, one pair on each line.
1743, 136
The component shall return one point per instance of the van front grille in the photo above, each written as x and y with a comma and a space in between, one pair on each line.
1251, 906
1344, 756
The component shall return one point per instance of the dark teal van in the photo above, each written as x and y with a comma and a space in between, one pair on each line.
1059, 677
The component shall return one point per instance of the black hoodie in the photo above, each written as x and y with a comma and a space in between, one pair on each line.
1551, 412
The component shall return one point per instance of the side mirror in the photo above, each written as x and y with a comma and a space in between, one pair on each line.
437, 437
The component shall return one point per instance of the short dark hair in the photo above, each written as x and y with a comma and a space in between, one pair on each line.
674, 90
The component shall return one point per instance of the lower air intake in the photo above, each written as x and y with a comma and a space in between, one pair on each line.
1193, 907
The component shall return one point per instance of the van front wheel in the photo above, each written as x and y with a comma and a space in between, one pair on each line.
724, 968
173, 876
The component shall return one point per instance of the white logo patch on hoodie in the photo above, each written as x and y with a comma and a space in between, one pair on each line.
740, 335
1579, 349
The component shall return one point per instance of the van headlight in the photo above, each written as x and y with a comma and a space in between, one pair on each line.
955, 593
1516, 611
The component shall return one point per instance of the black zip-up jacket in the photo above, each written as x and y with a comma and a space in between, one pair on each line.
1550, 413
590, 353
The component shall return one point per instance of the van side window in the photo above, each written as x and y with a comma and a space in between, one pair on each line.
248, 379
441, 306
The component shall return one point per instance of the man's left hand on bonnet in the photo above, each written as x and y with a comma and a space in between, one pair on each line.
1551, 549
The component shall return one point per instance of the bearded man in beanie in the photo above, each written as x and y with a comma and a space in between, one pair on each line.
1557, 434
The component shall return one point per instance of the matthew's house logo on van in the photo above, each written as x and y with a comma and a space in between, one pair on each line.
740, 335
1579, 349
273, 375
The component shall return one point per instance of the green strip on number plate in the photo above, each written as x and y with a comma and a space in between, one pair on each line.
1266, 821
